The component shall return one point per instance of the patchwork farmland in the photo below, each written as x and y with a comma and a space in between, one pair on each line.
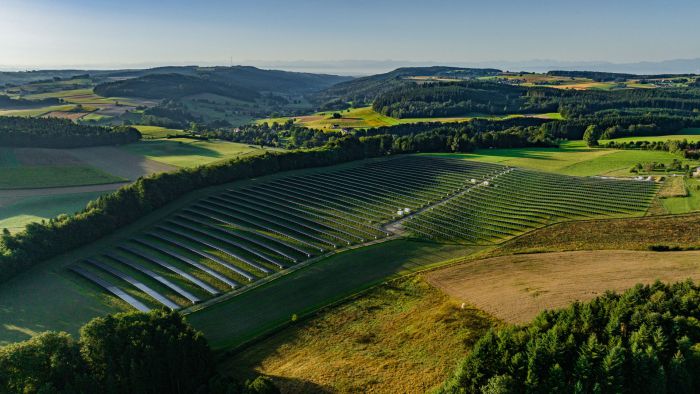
249, 232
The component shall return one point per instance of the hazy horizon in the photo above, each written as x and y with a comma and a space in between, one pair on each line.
98, 34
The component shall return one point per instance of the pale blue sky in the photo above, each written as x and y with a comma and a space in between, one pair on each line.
45, 33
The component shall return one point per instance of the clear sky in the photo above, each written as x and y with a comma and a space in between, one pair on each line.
53, 33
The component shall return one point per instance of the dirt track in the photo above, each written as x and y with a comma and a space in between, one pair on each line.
516, 288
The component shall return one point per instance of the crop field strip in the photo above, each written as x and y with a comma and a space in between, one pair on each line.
233, 238
240, 235
520, 200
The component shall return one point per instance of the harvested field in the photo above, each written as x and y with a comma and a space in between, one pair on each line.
516, 288
118, 161
635, 234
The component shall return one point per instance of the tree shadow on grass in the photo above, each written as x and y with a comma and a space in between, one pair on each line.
163, 148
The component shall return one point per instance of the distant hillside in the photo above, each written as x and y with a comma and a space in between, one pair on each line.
364, 90
239, 82
9, 102
455, 99
23, 77
601, 76
162, 86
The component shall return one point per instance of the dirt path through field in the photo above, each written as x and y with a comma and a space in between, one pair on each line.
516, 288
119, 162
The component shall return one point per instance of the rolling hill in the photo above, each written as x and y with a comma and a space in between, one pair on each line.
366, 89
239, 82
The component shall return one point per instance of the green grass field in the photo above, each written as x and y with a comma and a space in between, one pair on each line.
676, 205
36, 111
242, 318
366, 117
16, 215
57, 176
572, 158
184, 152
691, 134
153, 132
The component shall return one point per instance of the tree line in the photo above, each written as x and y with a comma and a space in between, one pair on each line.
646, 340
156, 352
484, 97
60, 133
689, 150
454, 99
9, 102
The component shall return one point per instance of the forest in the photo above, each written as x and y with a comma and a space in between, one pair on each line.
646, 340
156, 352
60, 133
489, 98
158, 86
9, 102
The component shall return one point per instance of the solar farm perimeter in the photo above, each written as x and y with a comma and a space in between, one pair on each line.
256, 231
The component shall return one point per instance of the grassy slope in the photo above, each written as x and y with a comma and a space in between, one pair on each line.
572, 158
53, 176
184, 152
629, 234
404, 336
263, 309
17, 215
151, 132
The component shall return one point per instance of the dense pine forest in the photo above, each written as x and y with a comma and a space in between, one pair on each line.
646, 340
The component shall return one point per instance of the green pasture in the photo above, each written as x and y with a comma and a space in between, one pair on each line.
183, 152
53, 176
302, 292
691, 203
15, 214
8, 158
572, 158
150, 132
33, 112
690, 134
366, 117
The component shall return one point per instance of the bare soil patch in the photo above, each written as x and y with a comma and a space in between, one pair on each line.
516, 288
45, 157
